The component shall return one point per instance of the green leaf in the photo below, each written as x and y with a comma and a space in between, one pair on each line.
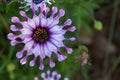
98, 25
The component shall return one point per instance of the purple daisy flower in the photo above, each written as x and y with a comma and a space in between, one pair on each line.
41, 35
37, 2
48, 76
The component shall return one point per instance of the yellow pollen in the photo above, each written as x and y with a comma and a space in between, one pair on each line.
40, 35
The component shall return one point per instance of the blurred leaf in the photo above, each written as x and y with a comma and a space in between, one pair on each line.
98, 25
12, 7
10, 67
82, 48
2, 8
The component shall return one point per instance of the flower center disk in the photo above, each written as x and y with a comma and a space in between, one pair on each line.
37, 1
40, 35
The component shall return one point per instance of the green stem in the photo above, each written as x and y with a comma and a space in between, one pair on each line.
4, 23
11, 51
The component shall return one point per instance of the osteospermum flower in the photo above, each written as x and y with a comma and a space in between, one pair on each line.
53, 76
37, 2
41, 35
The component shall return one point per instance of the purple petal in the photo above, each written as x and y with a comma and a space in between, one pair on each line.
66, 78
15, 20
67, 22
61, 13
55, 28
57, 37
42, 54
43, 75
60, 57
69, 50
36, 20
54, 10
51, 47
22, 13
26, 25
14, 42
20, 54
57, 43
71, 29
29, 45
41, 67
36, 78
42, 6
27, 39
52, 64
31, 24
43, 21
33, 7
36, 50
71, 39
50, 22
47, 10
12, 36
58, 76
46, 50
14, 28
54, 73
23, 60
48, 72
26, 31
32, 63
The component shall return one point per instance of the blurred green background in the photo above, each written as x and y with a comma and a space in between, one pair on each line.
98, 37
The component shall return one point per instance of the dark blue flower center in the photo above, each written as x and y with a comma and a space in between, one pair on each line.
40, 35
37, 1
